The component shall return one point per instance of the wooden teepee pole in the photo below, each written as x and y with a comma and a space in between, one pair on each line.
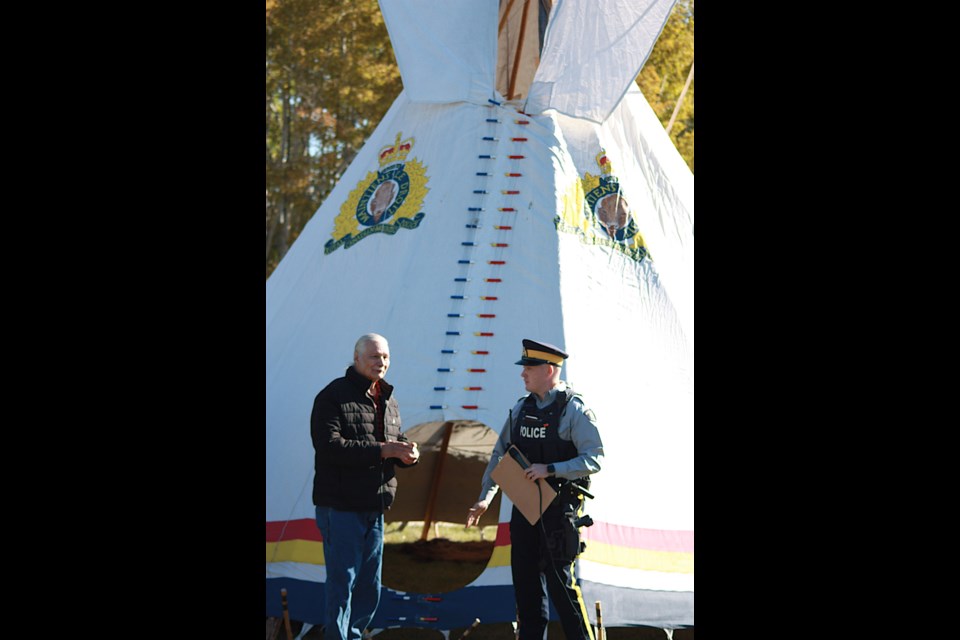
516, 59
680, 99
506, 15
435, 483
476, 623
286, 615
600, 633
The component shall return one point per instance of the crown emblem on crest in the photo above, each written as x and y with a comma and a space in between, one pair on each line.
396, 152
606, 168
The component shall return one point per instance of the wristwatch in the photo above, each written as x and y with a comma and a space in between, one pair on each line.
552, 470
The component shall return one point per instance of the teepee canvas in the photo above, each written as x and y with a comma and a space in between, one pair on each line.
519, 187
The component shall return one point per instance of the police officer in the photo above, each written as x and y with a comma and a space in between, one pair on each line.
558, 435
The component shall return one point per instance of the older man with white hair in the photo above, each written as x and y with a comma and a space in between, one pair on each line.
357, 439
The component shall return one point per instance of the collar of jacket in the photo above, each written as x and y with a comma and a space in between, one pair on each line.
363, 384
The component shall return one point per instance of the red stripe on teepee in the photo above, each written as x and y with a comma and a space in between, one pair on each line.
304, 529
639, 538
623, 536
619, 535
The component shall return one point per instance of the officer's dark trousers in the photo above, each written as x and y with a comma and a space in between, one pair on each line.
534, 565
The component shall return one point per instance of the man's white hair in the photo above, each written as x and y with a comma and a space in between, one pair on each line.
365, 338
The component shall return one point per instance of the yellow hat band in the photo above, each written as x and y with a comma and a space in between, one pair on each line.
552, 358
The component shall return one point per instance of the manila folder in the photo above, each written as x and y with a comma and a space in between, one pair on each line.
522, 492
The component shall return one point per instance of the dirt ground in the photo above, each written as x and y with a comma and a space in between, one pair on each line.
501, 631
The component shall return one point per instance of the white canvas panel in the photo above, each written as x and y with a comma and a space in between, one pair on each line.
633, 578
446, 51
592, 53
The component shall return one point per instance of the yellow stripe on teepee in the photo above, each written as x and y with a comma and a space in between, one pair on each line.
311, 552
500, 557
644, 559
306, 551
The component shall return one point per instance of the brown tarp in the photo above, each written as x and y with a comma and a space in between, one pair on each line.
468, 452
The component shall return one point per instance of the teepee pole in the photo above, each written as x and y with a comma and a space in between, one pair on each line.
600, 632
680, 99
286, 614
476, 623
516, 59
506, 15
435, 483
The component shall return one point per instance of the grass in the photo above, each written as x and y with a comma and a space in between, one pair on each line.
439, 564
399, 532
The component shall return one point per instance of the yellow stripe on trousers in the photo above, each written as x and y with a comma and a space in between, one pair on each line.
583, 606
633, 558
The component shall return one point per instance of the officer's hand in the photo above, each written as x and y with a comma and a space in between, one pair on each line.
535, 471
477, 510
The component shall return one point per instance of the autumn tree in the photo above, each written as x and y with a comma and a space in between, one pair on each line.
330, 77
665, 73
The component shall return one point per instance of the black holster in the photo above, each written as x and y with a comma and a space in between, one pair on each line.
563, 537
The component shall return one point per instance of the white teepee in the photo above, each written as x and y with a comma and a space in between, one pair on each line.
527, 194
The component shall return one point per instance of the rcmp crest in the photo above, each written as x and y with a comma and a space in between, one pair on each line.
609, 212
384, 201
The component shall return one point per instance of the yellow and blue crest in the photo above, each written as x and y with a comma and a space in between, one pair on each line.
604, 215
384, 201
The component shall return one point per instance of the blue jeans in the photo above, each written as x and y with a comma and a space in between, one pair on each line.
353, 554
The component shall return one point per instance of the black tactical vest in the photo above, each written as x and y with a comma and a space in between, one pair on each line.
536, 432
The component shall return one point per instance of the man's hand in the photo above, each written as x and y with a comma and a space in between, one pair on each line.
477, 510
406, 452
535, 471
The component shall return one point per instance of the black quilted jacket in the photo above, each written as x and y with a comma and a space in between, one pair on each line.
349, 473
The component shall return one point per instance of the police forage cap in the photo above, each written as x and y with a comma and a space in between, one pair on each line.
535, 353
